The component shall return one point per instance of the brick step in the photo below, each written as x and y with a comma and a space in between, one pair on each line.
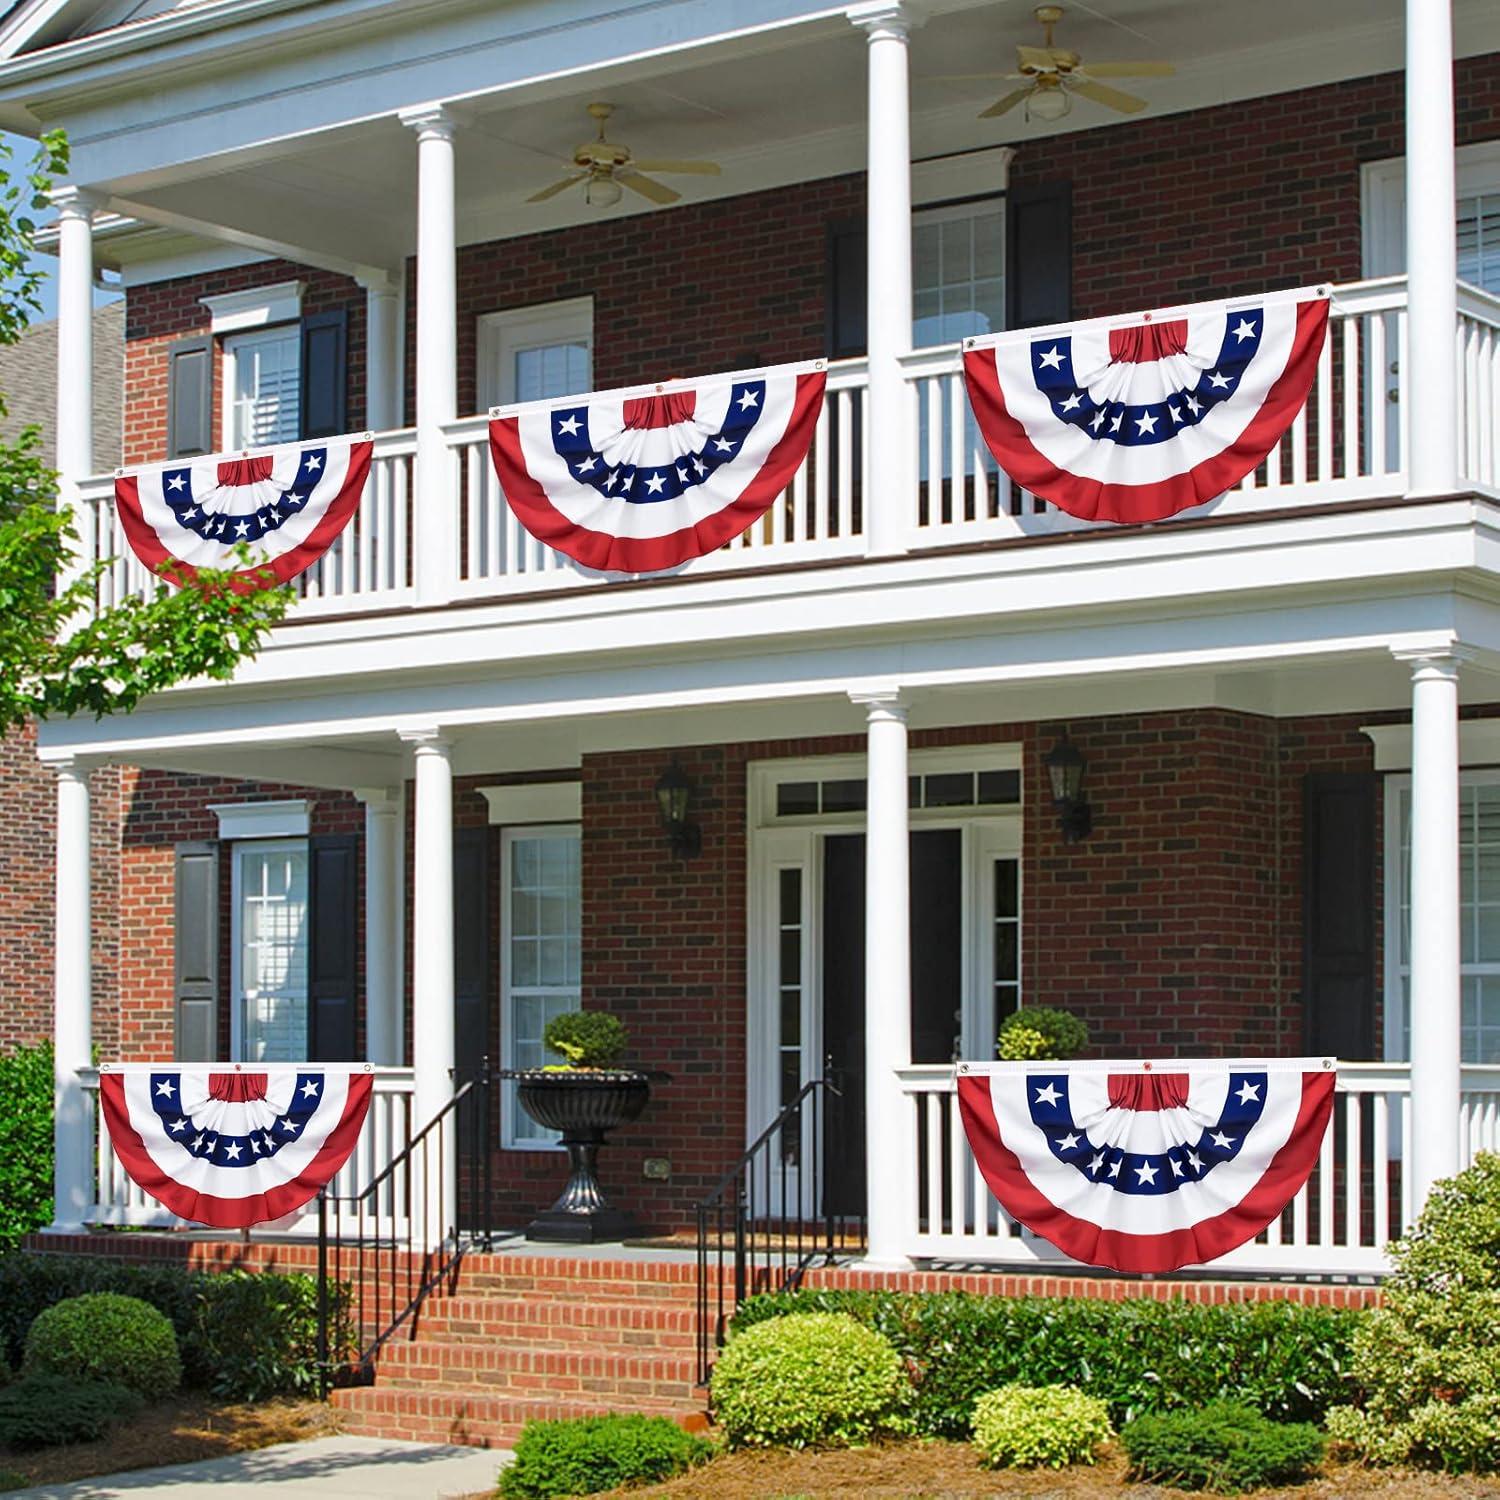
567, 1276
594, 1375
465, 1319
480, 1421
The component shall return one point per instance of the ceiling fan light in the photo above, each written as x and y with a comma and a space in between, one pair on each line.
602, 192
1048, 104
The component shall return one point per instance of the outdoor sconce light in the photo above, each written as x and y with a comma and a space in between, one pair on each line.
1065, 767
674, 795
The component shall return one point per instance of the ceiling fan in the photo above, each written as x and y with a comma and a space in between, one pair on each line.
606, 168
1052, 74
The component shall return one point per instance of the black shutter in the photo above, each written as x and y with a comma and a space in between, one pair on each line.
190, 394
1039, 255
323, 378
471, 947
195, 982
1338, 913
847, 297
332, 947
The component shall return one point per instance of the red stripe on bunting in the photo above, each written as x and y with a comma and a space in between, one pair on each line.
1144, 1254
1096, 500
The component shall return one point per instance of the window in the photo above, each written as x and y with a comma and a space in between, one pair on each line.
541, 962
1479, 912
958, 273
269, 915
261, 387
535, 352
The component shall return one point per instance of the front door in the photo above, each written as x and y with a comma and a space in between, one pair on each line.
936, 936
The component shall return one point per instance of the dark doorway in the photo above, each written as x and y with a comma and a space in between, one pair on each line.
936, 985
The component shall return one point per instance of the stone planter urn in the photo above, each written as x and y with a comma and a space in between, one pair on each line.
584, 1104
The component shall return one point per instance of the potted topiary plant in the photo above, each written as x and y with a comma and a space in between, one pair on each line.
584, 1097
1038, 1032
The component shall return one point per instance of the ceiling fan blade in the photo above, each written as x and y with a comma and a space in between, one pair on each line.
697, 168
1003, 106
657, 192
1127, 104
556, 188
1128, 69
972, 77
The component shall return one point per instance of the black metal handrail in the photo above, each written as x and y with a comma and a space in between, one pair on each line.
394, 1242
772, 1208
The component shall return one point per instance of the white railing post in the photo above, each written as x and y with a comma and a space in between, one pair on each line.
1430, 383
382, 351
74, 427
435, 509
888, 1145
889, 477
385, 1040
72, 1039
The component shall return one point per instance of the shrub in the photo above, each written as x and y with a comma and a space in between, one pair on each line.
1051, 1426
587, 1038
44, 1410
583, 1455
806, 1379
1225, 1447
258, 1334
106, 1337
1138, 1355
1038, 1031
25, 1142
1427, 1363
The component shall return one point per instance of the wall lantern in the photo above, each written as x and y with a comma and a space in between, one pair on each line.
1065, 767
674, 795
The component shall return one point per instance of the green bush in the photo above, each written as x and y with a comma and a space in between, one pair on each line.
258, 1334
44, 1410
810, 1378
1038, 1031
1138, 1355
1049, 1426
1427, 1363
106, 1337
583, 1455
25, 1142
586, 1038
1225, 1447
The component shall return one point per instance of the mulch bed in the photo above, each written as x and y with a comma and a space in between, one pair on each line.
176, 1431
950, 1471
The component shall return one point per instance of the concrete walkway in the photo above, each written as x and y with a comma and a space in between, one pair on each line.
360, 1468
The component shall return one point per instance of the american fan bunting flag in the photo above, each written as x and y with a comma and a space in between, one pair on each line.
1135, 419
643, 480
231, 1146
1146, 1166
286, 505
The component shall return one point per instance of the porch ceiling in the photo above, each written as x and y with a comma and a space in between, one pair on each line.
786, 105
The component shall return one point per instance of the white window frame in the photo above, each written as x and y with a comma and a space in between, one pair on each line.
508, 836
1383, 202
1395, 1043
237, 850
949, 213
229, 351
503, 335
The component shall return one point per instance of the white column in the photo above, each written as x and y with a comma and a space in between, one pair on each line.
74, 427
1435, 990
73, 1128
385, 1040
888, 1121
382, 352
435, 532
891, 417
1430, 381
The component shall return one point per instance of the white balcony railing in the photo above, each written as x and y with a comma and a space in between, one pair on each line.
1356, 1201
1347, 444
384, 1135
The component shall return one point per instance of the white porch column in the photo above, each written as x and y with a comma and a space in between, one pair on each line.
73, 1127
891, 418
385, 1040
435, 531
382, 352
75, 356
1430, 381
1435, 990
888, 1143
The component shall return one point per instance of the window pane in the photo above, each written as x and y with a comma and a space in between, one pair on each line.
271, 937
954, 789
266, 376
999, 787
843, 796
796, 797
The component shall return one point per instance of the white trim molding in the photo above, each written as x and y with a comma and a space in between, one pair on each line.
535, 802
1478, 744
261, 820
258, 307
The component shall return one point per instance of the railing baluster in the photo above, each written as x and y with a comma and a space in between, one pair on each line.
1378, 399
1353, 387
828, 522
1324, 429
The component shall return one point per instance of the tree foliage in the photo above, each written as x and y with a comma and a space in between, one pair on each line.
60, 652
